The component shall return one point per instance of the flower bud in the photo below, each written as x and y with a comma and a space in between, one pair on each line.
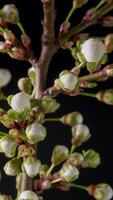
36, 132
28, 194
13, 167
93, 50
43, 170
105, 96
31, 166
72, 119
79, 3
101, 191
17, 53
24, 84
7, 122
5, 197
106, 21
46, 185
49, 105
109, 43
60, 153
26, 41
91, 159
69, 173
11, 13
20, 102
5, 77
67, 81
75, 159
8, 146
9, 36
80, 134
31, 75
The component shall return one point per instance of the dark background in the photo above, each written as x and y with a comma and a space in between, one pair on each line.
97, 116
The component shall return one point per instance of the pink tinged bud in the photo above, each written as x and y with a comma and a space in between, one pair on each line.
105, 96
80, 134
75, 159
36, 132
24, 84
79, 3
101, 191
31, 166
28, 195
90, 14
5, 77
17, 53
107, 21
67, 81
13, 167
8, 146
69, 173
20, 102
64, 28
60, 153
72, 119
93, 50
26, 41
11, 13
5, 47
109, 43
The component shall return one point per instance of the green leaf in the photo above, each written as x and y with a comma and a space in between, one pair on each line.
34, 102
12, 114
81, 57
104, 59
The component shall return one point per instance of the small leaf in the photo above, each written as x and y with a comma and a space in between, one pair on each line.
12, 114
91, 67
104, 59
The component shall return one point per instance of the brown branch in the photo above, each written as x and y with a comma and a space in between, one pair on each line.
42, 65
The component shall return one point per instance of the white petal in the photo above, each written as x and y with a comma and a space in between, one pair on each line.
5, 77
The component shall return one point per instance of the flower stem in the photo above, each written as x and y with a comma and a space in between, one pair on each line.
57, 180
72, 149
50, 169
52, 120
78, 186
100, 4
70, 13
21, 27
87, 94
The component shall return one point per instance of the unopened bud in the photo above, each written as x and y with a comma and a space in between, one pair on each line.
91, 159
31, 75
106, 21
24, 84
64, 28
80, 134
13, 167
49, 105
26, 41
20, 102
79, 3
105, 96
17, 53
9, 36
101, 191
36, 132
28, 194
31, 166
8, 146
109, 43
72, 119
46, 185
69, 173
93, 50
5, 77
11, 13
67, 81
60, 153
75, 159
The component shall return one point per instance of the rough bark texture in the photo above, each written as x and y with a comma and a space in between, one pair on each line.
42, 64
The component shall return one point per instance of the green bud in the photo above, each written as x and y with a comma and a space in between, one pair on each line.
101, 191
49, 105
60, 153
75, 159
80, 134
13, 167
105, 96
31, 166
69, 173
91, 159
24, 84
72, 119
36, 132
31, 75
8, 146
11, 13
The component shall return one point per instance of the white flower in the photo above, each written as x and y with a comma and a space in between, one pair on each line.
13, 167
36, 132
28, 195
20, 102
8, 146
5, 77
69, 173
31, 166
80, 134
93, 50
68, 81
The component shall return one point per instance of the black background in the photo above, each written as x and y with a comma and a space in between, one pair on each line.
97, 116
